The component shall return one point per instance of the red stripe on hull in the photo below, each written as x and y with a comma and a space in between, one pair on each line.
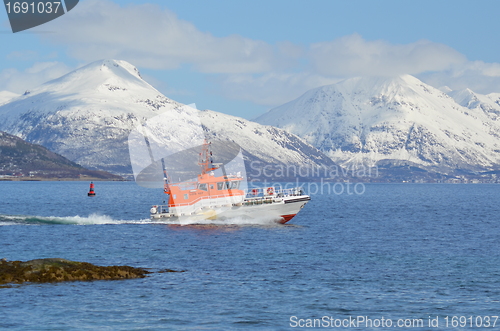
286, 218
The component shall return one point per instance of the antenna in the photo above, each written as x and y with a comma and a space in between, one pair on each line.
205, 159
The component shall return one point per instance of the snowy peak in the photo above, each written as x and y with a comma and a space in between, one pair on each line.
122, 65
396, 90
389, 86
107, 85
465, 98
354, 105
113, 75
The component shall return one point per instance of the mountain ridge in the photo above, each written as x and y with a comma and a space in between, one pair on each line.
22, 159
87, 115
373, 119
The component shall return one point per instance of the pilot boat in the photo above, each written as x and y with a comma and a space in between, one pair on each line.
222, 197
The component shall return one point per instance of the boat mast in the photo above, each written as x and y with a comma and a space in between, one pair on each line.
166, 179
205, 159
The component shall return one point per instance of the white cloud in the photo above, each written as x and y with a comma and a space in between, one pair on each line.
271, 89
17, 81
330, 62
353, 56
151, 37
22, 55
478, 76
478, 68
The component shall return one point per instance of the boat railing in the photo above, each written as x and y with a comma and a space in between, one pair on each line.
159, 209
204, 202
274, 192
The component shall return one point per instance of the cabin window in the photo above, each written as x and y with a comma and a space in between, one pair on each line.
186, 196
211, 186
228, 185
203, 187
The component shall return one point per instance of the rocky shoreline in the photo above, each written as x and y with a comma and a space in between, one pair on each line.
62, 270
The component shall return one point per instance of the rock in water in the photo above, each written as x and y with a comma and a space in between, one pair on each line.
60, 270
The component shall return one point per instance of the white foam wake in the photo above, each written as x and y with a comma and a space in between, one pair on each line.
95, 219
75, 220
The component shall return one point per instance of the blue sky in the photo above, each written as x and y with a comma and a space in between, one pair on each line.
246, 57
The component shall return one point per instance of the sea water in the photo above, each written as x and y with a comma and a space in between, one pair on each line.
421, 256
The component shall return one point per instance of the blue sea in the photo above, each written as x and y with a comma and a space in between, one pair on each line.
422, 256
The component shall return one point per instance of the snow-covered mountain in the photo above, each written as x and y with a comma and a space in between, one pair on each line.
6, 96
88, 114
400, 120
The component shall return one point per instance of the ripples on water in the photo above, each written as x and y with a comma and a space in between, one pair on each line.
397, 251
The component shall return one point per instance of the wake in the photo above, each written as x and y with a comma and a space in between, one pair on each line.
96, 219
69, 220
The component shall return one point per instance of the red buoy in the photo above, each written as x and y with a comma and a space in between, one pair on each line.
91, 192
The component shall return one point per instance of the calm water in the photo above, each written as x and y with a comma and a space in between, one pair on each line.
409, 252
